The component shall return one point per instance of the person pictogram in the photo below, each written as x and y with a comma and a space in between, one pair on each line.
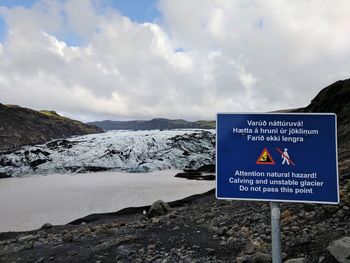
285, 156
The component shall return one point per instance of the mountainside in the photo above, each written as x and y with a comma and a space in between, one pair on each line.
153, 124
21, 126
334, 98
132, 151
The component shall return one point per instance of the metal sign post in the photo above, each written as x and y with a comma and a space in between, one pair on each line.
276, 233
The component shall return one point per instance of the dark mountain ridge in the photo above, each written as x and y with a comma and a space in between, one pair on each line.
334, 98
21, 126
154, 124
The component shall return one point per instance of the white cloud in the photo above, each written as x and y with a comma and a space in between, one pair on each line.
203, 57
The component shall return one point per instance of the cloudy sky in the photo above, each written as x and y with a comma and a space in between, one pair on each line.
132, 59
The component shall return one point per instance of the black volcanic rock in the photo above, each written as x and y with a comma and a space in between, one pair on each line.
20, 126
196, 176
334, 98
153, 124
205, 172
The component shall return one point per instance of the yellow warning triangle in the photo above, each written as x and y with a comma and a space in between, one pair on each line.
265, 158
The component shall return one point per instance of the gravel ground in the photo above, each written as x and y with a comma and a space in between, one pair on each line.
198, 229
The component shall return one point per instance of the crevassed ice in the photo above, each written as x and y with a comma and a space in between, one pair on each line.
132, 151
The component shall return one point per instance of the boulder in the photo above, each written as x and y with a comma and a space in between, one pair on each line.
67, 237
159, 208
41, 234
25, 238
340, 249
103, 230
46, 226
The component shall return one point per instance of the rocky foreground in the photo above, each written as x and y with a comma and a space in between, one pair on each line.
197, 229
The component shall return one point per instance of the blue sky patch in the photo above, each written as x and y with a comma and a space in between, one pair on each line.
11, 3
71, 39
136, 10
3, 30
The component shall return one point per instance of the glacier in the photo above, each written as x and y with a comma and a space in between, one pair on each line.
127, 151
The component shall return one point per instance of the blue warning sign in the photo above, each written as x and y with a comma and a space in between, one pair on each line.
287, 157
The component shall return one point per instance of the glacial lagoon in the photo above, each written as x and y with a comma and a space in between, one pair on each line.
27, 203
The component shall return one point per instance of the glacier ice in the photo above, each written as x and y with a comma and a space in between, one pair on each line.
130, 151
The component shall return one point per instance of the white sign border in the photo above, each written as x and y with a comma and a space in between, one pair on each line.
276, 200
